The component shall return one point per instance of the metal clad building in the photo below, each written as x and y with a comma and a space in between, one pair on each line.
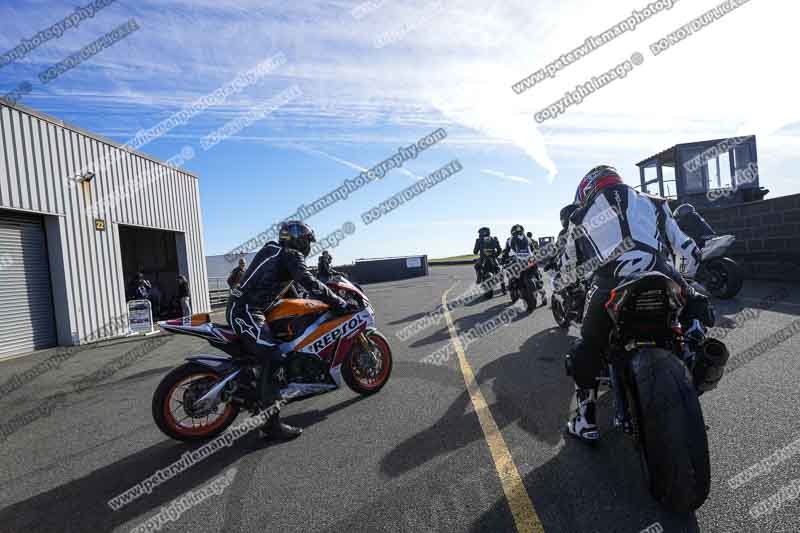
67, 250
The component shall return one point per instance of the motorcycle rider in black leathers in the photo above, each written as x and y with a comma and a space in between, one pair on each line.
519, 244
693, 224
324, 269
534, 244
270, 275
555, 264
487, 248
609, 212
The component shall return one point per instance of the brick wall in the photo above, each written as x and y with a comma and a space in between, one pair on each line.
767, 236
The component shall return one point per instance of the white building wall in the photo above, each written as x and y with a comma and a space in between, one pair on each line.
37, 155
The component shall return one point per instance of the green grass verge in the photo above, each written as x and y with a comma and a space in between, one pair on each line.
468, 257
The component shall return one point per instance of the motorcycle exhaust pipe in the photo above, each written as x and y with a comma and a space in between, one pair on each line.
710, 365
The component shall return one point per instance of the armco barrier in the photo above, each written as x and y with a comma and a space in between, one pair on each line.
389, 268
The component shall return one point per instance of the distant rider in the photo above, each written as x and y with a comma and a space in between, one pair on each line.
693, 224
487, 248
521, 245
534, 244
270, 275
324, 269
608, 213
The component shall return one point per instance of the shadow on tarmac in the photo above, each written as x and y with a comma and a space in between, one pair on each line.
530, 388
581, 489
81, 505
462, 324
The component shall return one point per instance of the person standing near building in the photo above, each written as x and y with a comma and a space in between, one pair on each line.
183, 295
138, 288
236, 274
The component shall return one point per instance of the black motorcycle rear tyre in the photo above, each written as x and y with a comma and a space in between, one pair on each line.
673, 432
489, 292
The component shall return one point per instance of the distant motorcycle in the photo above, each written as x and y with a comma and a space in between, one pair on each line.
721, 275
488, 267
567, 303
527, 285
322, 351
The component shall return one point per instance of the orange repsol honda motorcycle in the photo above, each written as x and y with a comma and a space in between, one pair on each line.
321, 351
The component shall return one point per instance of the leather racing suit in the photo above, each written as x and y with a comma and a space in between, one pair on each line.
269, 276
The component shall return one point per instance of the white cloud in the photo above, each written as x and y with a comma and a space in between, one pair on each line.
454, 69
503, 175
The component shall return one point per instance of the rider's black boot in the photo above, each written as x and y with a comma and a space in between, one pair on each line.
274, 429
271, 403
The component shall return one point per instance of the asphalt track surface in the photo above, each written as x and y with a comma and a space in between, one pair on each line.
418, 456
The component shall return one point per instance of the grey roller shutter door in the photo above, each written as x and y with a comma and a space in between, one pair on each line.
26, 306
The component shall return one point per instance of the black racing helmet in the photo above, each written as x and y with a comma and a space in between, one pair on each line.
517, 229
683, 210
296, 235
565, 213
484, 232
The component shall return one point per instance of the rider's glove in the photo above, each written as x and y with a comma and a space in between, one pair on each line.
698, 306
339, 305
343, 307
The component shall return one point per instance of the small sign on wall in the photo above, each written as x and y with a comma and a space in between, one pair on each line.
100, 224
414, 262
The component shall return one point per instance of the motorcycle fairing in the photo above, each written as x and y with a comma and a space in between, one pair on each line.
717, 246
319, 339
207, 331
341, 283
220, 364
294, 307
299, 390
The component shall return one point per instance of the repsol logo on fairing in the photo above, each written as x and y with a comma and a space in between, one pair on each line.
334, 335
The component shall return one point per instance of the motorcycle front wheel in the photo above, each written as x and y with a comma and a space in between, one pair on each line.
559, 314
367, 372
724, 277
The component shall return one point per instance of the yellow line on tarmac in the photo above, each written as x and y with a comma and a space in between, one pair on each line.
525, 517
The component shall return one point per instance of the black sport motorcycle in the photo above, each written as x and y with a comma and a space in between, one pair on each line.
528, 284
657, 368
488, 267
721, 275
567, 302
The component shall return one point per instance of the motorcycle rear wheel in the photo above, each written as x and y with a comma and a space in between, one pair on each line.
530, 301
167, 419
489, 292
672, 431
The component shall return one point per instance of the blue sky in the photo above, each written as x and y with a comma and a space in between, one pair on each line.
449, 64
